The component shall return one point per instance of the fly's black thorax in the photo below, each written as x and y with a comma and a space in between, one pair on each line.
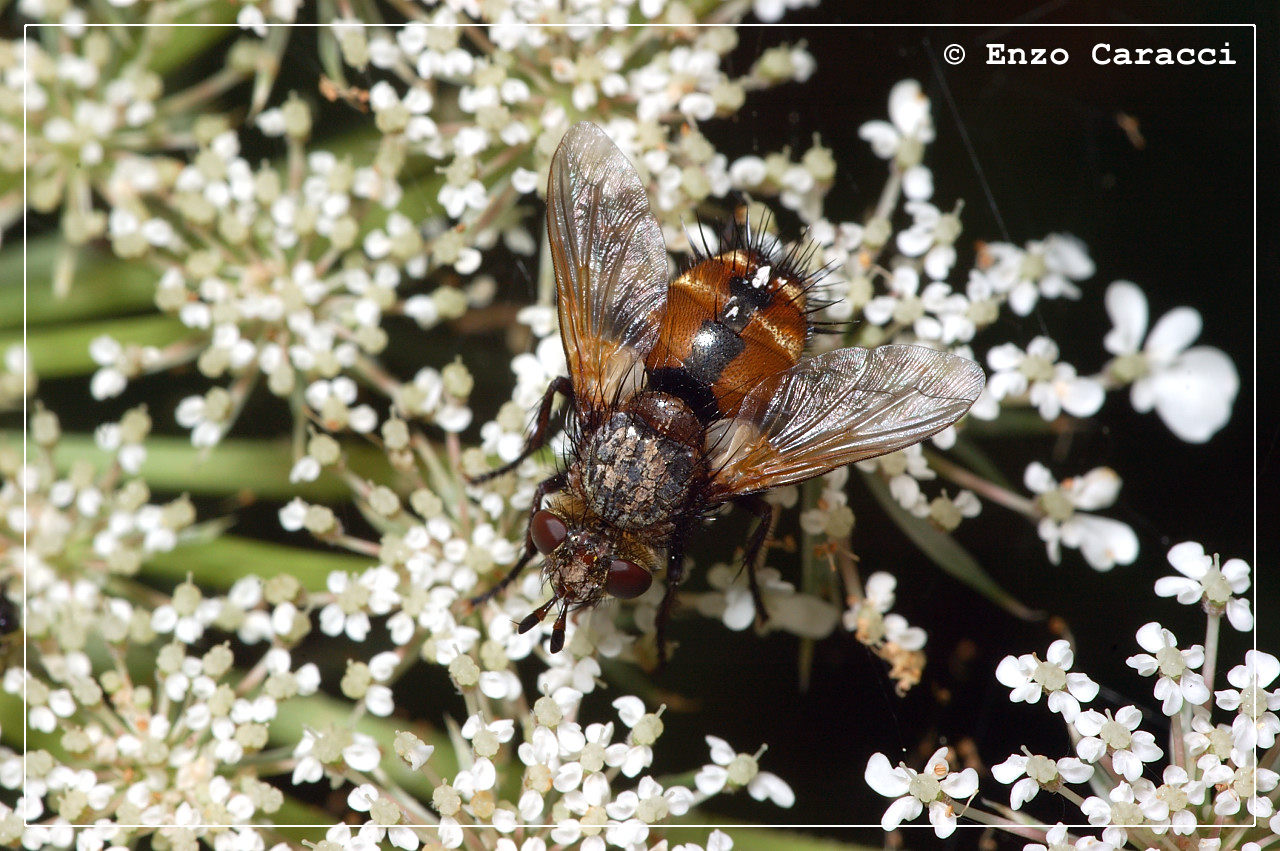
638, 470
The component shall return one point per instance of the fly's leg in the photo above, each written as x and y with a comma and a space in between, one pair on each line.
764, 513
546, 486
538, 437
675, 573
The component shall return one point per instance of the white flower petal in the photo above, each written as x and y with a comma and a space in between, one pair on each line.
882, 136
1189, 559
1011, 769
1239, 615
904, 809
884, 778
1194, 395
1038, 479
1127, 307
1104, 542
943, 819
1082, 397
1187, 591
1172, 333
908, 106
961, 784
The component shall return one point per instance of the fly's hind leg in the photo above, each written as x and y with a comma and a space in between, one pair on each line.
538, 438
764, 513
675, 573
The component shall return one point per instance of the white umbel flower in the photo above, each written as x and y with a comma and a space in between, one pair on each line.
1203, 582
936, 786
1191, 389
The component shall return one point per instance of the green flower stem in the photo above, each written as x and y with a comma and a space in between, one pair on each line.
408, 655
372, 372
1014, 421
1070, 794
815, 578
1211, 637
118, 286
221, 562
172, 48
445, 485
263, 82
984, 488
194, 97
293, 811
410, 804
890, 195
260, 467
1011, 821
971, 456
1233, 837
1178, 725
63, 351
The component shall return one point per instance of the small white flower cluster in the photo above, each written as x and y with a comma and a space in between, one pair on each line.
1045, 268
1191, 389
192, 721
788, 609
163, 750
99, 521
872, 621
936, 787
596, 66
505, 435
254, 15
287, 272
1103, 542
903, 470
1037, 375
84, 116
888, 634
1215, 772
568, 771
89, 121
276, 301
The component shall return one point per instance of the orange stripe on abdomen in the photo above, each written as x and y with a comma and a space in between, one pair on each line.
728, 324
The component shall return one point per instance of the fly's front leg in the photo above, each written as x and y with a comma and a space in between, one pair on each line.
538, 438
764, 512
546, 486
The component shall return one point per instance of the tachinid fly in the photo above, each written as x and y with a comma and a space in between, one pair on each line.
688, 393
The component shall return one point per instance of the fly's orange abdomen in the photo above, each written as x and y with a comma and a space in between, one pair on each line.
731, 321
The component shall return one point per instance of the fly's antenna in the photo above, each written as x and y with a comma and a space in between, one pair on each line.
535, 617
557, 631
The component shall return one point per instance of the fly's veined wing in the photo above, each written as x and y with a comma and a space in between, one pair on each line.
837, 408
610, 266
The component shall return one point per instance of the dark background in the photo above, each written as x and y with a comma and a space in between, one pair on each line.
1176, 217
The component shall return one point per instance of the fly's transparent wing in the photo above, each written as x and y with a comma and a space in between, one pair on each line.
610, 265
837, 408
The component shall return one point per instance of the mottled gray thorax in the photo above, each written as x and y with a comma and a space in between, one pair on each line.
632, 476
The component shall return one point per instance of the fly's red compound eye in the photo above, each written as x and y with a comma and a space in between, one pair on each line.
627, 579
548, 531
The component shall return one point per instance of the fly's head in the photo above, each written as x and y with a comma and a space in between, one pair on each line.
585, 560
